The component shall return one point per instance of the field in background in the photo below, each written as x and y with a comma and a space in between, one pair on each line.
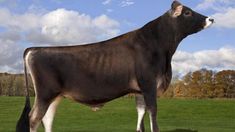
175, 115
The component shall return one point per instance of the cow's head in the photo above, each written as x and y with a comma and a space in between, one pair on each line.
187, 20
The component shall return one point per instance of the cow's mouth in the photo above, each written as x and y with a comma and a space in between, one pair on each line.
208, 22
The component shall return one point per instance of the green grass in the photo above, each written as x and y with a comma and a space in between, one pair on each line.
175, 115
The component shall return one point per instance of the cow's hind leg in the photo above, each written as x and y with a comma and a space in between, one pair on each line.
41, 105
49, 116
141, 108
36, 114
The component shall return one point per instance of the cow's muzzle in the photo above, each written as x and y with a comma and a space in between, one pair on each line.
209, 22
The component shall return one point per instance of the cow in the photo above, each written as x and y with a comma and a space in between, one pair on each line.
136, 62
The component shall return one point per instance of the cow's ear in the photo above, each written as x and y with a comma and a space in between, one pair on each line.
176, 8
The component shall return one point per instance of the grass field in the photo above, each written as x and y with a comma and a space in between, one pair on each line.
175, 115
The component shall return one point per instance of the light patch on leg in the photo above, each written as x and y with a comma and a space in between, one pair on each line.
96, 107
151, 123
141, 112
49, 116
141, 109
34, 118
34, 122
134, 84
208, 22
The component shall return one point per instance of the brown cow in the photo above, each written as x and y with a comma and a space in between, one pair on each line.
93, 74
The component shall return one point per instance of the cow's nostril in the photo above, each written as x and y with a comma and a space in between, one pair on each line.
212, 20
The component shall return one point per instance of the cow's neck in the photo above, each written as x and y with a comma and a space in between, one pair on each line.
161, 33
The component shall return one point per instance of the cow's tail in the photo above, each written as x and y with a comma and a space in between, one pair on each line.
23, 122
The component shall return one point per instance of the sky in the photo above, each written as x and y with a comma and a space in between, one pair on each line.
27, 23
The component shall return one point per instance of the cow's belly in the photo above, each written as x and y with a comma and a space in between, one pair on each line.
95, 95
97, 88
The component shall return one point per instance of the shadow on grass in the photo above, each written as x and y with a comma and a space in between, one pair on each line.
181, 130
103, 130
129, 130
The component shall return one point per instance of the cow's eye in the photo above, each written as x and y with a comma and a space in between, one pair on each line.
188, 13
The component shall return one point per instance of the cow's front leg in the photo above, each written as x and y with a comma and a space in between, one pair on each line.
151, 105
141, 108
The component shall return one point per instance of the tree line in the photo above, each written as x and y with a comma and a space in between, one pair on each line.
198, 84
204, 84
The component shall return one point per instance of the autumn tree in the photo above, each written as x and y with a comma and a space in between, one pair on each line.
225, 82
205, 84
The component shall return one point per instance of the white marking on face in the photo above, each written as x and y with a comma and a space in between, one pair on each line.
141, 112
208, 22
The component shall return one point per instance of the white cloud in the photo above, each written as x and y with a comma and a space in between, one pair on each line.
11, 35
109, 10
106, 2
225, 19
126, 3
205, 4
63, 26
23, 22
123, 3
217, 5
10, 56
58, 27
223, 58
224, 12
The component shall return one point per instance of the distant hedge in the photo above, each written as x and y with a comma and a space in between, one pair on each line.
14, 85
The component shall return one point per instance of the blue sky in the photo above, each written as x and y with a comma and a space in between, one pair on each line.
25, 23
